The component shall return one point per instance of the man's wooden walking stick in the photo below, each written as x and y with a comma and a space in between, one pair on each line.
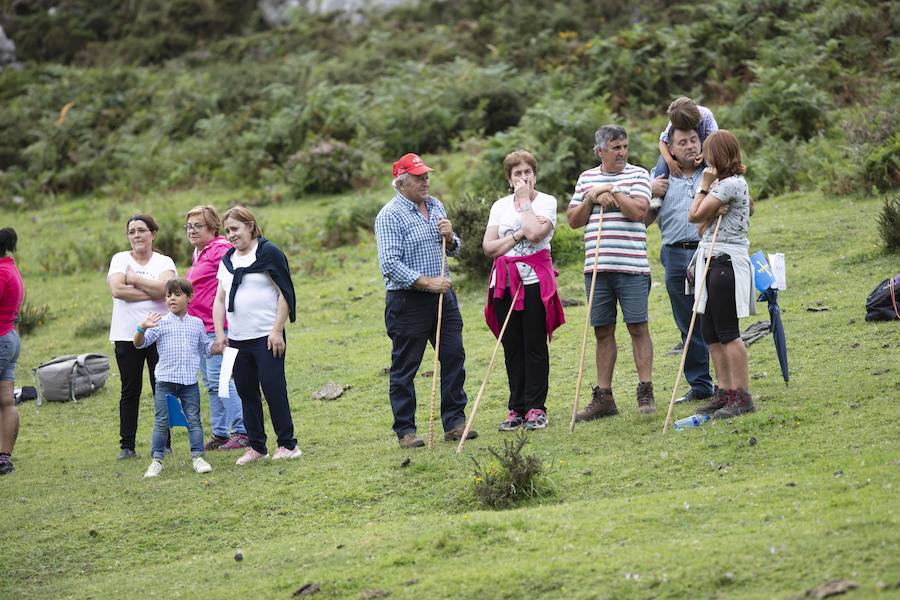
587, 322
437, 347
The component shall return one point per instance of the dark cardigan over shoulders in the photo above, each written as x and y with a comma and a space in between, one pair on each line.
269, 259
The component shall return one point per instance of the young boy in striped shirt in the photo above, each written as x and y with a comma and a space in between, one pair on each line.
180, 341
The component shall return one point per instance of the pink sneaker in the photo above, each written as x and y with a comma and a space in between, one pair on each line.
250, 456
283, 452
236, 442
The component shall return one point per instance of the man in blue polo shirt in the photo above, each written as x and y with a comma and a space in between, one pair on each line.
672, 199
409, 229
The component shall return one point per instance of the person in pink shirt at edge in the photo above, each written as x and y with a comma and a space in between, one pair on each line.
12, 292
202, 224
517, 237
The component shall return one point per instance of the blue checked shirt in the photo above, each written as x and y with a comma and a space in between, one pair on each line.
409, 246
673, 214
180, 344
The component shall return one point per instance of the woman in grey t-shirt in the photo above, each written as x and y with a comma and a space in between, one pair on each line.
729, 281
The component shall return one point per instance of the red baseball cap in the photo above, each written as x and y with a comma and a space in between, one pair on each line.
411, 163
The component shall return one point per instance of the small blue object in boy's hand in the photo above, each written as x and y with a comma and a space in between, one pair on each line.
176, 415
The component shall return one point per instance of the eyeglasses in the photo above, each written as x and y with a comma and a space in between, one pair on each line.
194, 226
138, 231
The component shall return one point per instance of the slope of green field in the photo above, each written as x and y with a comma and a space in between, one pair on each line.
768, 505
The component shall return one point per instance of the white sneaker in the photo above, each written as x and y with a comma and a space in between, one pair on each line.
250, 456
283, 452
200, 465
154, 468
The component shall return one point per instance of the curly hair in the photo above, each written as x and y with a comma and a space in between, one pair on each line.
519, 156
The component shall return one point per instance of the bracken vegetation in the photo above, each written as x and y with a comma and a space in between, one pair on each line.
510, 477
171, 94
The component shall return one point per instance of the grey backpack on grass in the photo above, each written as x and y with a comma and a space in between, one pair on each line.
70, 377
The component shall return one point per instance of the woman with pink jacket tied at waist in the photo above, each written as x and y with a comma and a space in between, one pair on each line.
517, 237
202, 224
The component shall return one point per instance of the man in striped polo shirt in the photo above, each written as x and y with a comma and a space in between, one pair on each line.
622, 191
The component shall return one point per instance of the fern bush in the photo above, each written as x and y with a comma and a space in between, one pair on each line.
31, 317
882, 165
511, 477
889, 223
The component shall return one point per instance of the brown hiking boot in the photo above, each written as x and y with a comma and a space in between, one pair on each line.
602, 405
739, 402
645, 402
455, 434
411, 441
719, 400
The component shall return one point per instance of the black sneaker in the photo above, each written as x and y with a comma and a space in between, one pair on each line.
693, 396
127, 453
513, 422
6, 465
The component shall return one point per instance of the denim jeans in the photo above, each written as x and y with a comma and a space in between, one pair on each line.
224, 413
9, 355
675, 260
411, 320
189, 395
631, 292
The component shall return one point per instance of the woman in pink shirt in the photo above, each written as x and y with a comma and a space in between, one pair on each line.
202, 224
12, 292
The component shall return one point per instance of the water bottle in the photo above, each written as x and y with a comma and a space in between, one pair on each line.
691, 421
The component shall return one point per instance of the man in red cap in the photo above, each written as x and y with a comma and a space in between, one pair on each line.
409, 230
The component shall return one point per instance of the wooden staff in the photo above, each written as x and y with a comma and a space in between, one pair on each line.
687, 340
437, 346
465, 433
587, 322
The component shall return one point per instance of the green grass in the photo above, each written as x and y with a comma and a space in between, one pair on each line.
636, 513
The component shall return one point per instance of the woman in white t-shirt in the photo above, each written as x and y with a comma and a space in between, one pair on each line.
137, 280
517, 237
257, 294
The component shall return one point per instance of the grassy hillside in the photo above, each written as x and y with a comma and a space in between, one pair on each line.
704, 513
158, 106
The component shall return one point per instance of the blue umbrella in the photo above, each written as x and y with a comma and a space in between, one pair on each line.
777, 329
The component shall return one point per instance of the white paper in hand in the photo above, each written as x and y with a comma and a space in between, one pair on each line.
776, 261
228, 357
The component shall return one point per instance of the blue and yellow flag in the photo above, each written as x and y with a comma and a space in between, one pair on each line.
763, 277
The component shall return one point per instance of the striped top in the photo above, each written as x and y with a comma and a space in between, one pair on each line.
623, 243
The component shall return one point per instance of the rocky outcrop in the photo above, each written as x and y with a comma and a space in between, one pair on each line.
8, 52
277, 13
